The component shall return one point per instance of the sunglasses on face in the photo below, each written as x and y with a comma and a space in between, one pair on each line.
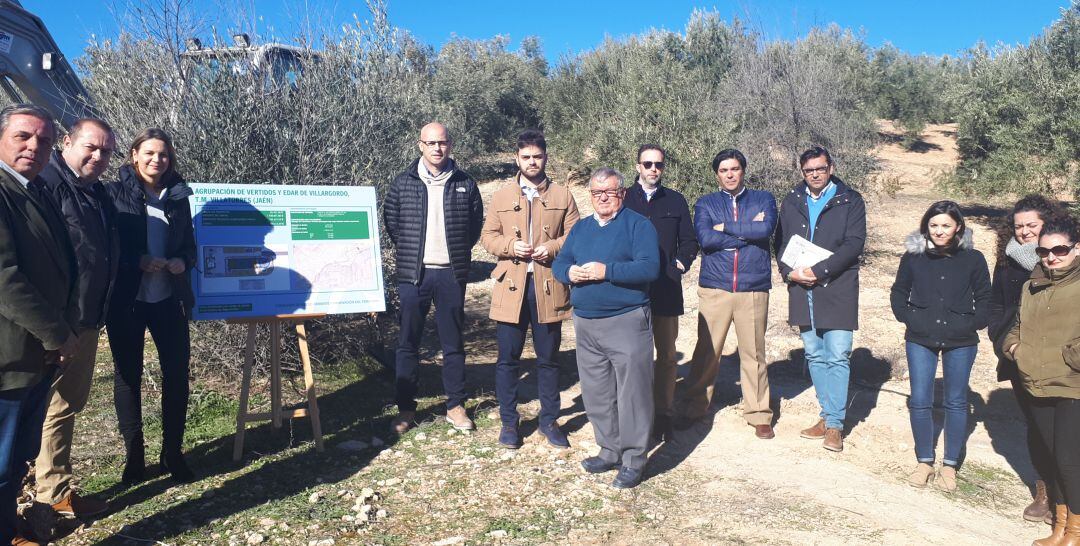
1059, 251
651, 164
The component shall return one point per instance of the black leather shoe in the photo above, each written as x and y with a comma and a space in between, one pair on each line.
627, 478
509, 438
596, 465
177, 468
555, 435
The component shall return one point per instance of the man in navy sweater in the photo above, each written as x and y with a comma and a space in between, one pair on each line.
609, 259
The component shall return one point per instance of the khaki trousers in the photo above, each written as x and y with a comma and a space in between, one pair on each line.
68, 395
717, 310
665, 332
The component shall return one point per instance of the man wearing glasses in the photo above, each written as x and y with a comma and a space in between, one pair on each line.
433, 214
609, 259
823, 300
734, 226
670, 215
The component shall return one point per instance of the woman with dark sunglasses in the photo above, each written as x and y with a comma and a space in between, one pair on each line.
942, 295
1018, 236
1045, 343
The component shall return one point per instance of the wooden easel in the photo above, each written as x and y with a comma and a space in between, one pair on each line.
276, 413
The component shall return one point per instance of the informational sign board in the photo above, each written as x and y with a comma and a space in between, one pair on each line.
266, 250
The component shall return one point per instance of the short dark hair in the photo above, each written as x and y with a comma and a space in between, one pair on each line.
1061, 225
532, 137
646, 147
80, 123
944, 207
814, 152
724, 155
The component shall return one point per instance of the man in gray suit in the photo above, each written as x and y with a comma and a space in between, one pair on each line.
37, 288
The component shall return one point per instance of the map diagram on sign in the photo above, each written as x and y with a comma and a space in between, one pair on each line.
337, 266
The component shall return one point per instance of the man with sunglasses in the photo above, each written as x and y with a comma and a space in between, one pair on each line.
670, 215
823, 300
433, 214
609, 259
734, 226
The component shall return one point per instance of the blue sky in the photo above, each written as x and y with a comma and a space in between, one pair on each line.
934, 27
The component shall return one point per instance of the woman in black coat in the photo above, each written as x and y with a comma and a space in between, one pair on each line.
153, 291
942, 295
1018, 236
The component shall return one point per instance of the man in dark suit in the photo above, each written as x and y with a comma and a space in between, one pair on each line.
670, 215
37, 272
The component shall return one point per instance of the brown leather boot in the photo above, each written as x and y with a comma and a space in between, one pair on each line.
1061, 516
1040, 505
1072, 531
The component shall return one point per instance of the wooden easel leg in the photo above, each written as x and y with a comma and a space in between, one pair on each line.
245, 388
275, 373
309, 387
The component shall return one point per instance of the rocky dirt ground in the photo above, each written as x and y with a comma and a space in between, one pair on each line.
714, 484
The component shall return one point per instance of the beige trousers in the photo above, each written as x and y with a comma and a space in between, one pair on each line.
717, 310
68, 396
665, 332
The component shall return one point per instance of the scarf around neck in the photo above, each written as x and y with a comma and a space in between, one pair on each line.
440, 178
1023, 254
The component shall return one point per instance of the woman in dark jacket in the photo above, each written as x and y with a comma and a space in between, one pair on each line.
1018, 237
942, 295
153, 290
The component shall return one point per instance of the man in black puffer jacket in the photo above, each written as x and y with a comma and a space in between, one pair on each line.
72, 178
433, 213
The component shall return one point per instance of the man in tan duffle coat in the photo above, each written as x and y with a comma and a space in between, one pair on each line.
525, 227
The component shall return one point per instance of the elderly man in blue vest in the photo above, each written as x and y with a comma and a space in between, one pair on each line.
609, 259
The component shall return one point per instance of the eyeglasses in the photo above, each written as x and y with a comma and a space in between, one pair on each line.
434, 143
1059, 251
650, 164
816, 170
610, 193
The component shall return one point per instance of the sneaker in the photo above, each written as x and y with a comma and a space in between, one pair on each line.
834, 440
403, 422
456, 416
20, 540
816, 432
921, 476
80, 507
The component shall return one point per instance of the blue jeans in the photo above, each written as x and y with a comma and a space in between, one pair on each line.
438, 286
22, 412
827, 356
511, 341
956, 366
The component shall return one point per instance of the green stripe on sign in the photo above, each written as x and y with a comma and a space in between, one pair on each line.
322, 225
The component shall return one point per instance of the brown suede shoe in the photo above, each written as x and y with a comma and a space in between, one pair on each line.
457, 417
834, 440
765, 432
403, 422
80, 507
1040, 505
816, 432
